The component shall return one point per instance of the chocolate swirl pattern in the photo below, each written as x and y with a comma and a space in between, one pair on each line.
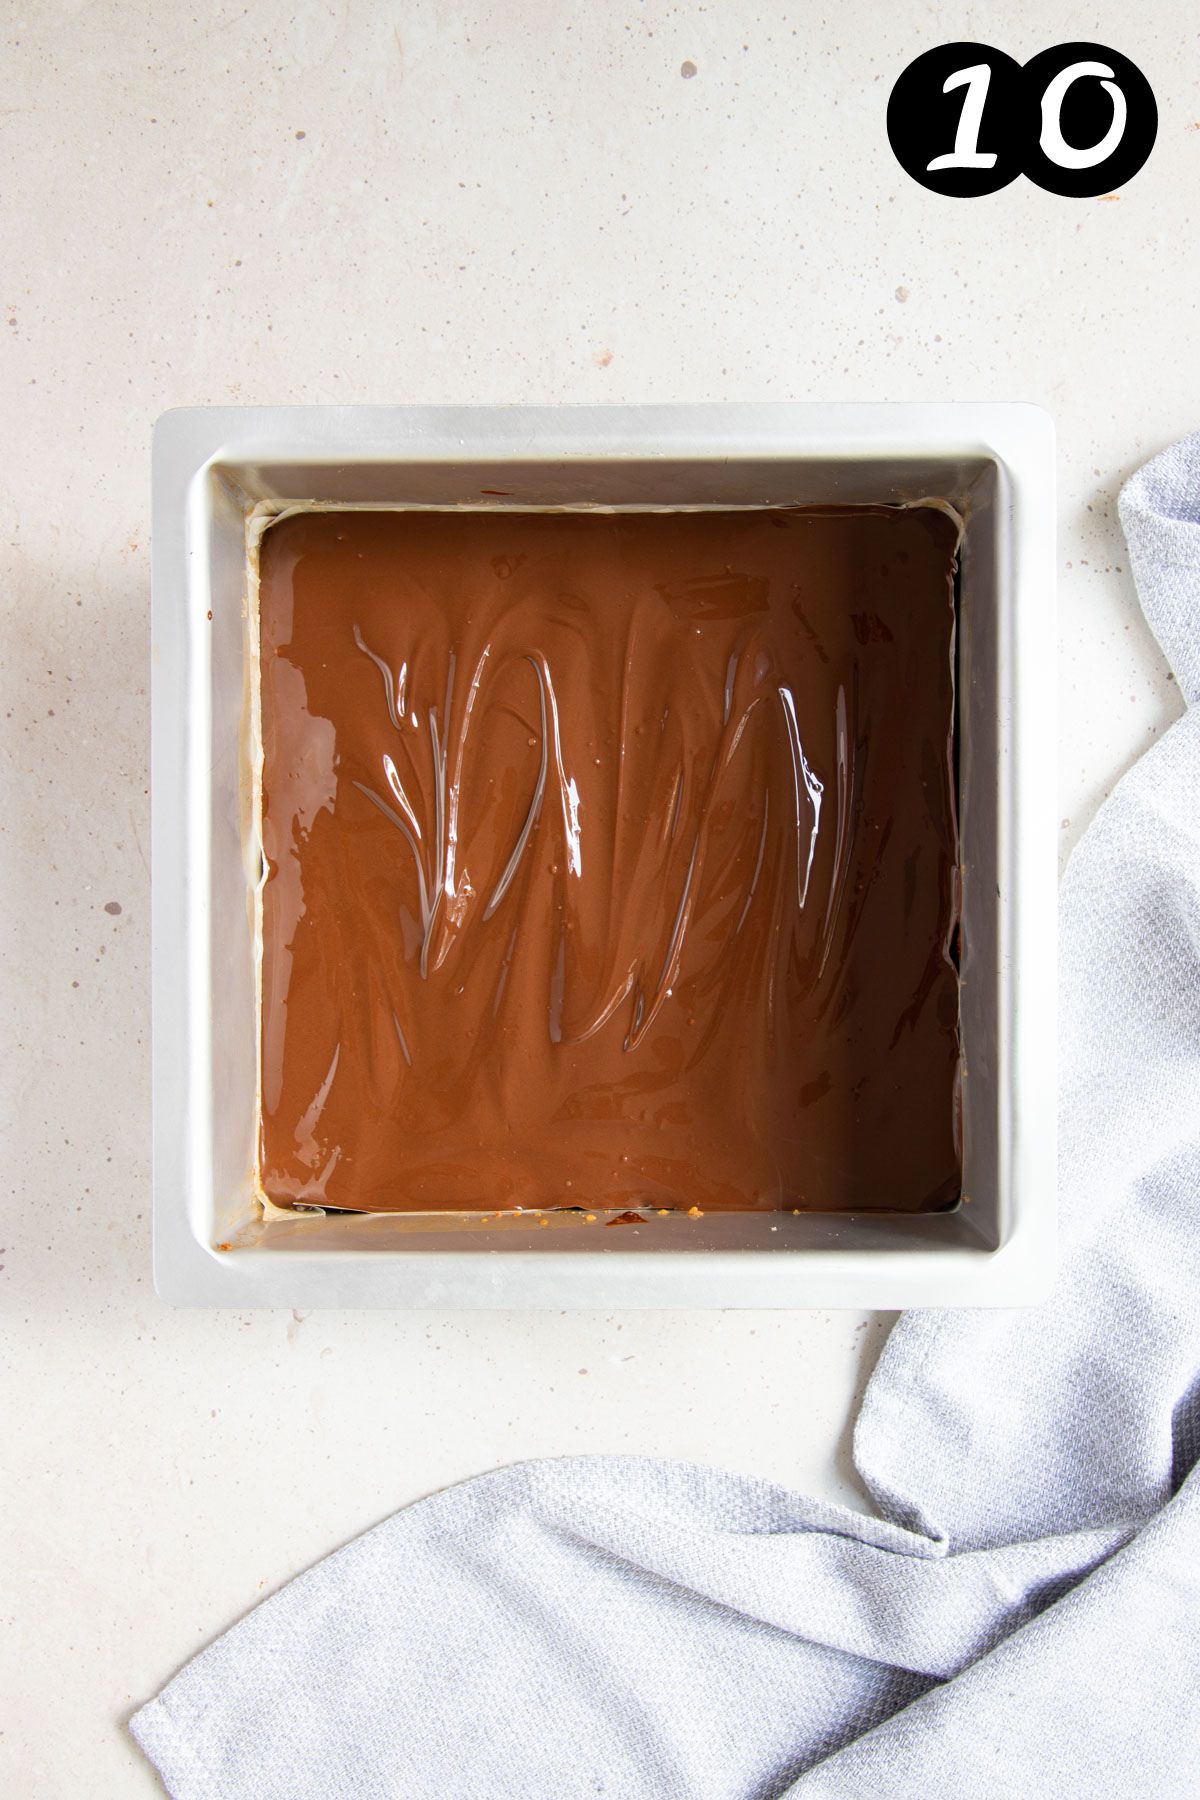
611, 860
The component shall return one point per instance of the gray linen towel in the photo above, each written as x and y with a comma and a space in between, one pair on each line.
1023, 1619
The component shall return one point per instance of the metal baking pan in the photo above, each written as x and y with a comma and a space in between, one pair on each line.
213, 467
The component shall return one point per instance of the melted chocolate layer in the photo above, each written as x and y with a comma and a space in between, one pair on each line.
612, 860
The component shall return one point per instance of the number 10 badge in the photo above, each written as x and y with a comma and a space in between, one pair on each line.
1078, 120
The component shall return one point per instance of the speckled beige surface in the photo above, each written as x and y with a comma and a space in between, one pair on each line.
387, 201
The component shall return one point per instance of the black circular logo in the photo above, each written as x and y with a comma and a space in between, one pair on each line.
956, 120
965, 119
1096, 119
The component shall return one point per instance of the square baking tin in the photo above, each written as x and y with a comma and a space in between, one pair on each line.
216, 467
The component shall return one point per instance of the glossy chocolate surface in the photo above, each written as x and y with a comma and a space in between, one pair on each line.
612, 860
